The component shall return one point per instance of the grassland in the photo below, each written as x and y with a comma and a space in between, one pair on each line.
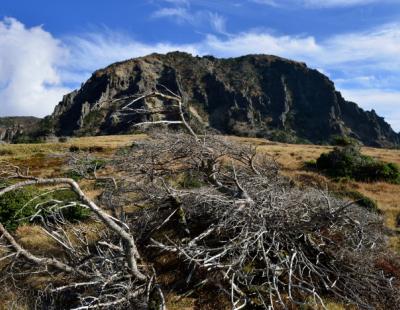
50, 159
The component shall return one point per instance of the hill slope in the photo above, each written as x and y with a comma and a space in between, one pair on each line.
13, 127
254, 95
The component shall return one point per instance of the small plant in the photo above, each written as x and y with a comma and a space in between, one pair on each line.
311, 164
21, 206
5, 152
84, 166
361, 200
344, 141
12, 208
191, 180
348, 162
90, 149
74, 148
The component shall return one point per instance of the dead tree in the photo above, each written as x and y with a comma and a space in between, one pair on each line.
258, 238
224, 210
109, 268
250, 232
109, 265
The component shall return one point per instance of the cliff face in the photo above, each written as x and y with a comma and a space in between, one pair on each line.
254, 95
13, 127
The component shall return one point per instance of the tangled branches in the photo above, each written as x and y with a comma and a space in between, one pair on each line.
101, 273
220, 207
246, 229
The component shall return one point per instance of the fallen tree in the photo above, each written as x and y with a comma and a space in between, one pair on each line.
221, 208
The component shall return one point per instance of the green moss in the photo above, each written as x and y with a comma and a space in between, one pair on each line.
12, 209
18, 206
191, 180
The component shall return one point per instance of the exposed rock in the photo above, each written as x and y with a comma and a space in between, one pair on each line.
255, 95
13, 127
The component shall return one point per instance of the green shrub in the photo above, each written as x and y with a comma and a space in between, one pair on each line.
12, 208
90, 149
361, 200
18, 206
344, 141
5, 152
350, 163
191, 180
85, 167
74, 175
311, 164
74, 148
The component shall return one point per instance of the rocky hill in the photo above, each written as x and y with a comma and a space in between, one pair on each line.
254, 95
12, 128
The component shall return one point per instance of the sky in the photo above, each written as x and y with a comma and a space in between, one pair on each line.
49, 48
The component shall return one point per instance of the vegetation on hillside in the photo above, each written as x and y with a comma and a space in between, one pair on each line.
347, 161
185, 214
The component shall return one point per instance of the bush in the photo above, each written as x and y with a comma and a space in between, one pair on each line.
344, 141
191, 180
85, 167
349, 162
74, 148
17, 207
90, 149
310, 164
5, 152
361, 200
12, 208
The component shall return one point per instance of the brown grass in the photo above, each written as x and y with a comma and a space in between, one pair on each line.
48, 159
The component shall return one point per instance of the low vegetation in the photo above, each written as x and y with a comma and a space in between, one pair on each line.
179, 219
30, 205
228, 218
360, 199
348, 162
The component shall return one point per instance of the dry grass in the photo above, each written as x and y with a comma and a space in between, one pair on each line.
34, 238
292, 157
48, 159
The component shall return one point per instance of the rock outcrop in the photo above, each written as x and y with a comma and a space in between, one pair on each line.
13, 127
254, 95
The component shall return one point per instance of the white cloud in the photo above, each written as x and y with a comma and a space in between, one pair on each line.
29, 69
338, 3
35, 67
181, 12
256, 42
378, 48
385, 102
177, 12
218, 22
320, 3
96, 50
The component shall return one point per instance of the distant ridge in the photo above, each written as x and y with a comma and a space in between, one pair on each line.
254, 95
16, 126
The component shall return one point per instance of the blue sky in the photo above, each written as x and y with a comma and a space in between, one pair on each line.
48, 48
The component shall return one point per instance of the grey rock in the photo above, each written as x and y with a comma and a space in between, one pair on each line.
254, 95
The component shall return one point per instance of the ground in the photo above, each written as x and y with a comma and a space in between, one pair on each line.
48, 159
